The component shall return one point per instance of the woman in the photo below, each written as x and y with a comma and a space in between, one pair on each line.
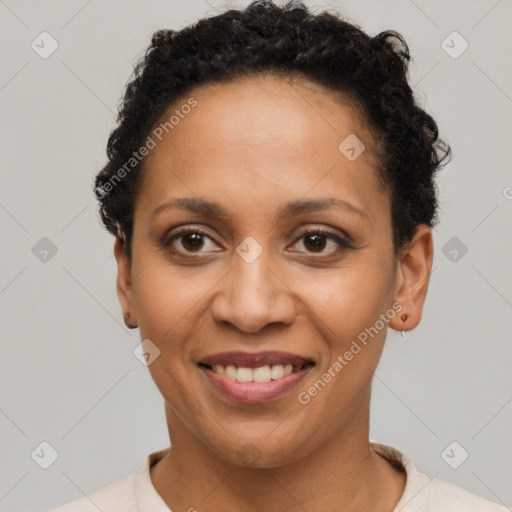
270, 186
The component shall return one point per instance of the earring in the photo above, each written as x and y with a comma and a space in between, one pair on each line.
404, 318
126, 318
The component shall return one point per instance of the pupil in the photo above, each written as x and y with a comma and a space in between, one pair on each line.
319, 242
194, 242
197, 241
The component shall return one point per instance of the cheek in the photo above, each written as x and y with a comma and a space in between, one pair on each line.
166, 298
354, 335
352, 310
167, 303
348, 300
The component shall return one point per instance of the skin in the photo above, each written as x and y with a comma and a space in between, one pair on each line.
251, 146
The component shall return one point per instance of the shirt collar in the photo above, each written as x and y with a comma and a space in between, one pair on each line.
146, 497
416, 495
148, 500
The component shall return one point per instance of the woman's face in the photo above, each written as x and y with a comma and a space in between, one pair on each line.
248, 167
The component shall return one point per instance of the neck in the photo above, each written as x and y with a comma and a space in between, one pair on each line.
344, 470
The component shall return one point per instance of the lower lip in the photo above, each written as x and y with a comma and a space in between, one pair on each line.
255, 392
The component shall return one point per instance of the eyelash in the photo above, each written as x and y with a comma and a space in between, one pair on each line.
342, 243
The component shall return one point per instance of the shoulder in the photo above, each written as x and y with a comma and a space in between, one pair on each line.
449, 497
425, 494
116, 497
131, 493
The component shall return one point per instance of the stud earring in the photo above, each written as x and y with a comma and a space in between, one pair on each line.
126, 318
404, 318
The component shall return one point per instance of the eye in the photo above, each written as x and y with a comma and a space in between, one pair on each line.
191, 240
316, 239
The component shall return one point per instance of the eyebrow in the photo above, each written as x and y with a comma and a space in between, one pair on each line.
289, 209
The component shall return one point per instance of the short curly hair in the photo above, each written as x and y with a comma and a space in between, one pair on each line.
286, 40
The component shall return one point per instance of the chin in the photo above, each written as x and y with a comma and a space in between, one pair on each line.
263, 453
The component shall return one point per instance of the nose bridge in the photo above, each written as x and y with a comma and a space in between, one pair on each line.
252, 277
251, 295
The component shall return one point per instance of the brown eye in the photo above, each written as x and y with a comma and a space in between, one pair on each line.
192, 241
315, 240
187, 241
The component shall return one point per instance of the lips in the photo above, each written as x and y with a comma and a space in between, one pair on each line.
255, 360
255, 378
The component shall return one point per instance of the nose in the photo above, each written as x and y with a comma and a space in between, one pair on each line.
253, 295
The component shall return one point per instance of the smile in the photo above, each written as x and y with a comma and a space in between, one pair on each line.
264, 373
255, 378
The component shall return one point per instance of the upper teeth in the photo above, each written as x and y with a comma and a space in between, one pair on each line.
261, 374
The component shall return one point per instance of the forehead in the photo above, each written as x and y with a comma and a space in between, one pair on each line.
254, 109
261, 140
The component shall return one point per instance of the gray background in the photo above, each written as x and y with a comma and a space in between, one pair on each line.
68, 374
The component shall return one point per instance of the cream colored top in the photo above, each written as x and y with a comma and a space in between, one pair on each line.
135, 492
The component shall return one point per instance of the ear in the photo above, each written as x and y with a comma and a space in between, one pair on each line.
412, 278
124, 278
